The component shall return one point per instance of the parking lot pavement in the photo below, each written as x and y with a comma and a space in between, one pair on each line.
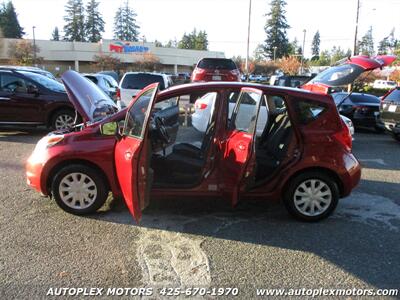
202, 243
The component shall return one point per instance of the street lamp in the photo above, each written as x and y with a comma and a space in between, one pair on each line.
248, 44
275, 52
34, 45
302, 54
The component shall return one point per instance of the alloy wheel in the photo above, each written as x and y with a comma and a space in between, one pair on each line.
64, 121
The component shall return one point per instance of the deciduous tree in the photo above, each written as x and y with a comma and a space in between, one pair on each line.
22, 53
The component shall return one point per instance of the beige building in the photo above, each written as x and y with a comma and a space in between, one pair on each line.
60, 56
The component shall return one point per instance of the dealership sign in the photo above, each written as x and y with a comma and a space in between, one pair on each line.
126, 47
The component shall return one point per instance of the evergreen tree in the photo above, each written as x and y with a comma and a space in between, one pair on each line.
9, 22
74, 29
194, 40
275, 28
366, 45
316, 41
384, 45
125, 27
172, 43
94, 22
55, 36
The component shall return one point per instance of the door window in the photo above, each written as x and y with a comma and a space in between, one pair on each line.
136, 116
246, 111
13, 84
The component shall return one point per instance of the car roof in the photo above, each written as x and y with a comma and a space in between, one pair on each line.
221, 84
147, 73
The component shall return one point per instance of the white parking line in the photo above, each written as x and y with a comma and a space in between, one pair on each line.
377, 160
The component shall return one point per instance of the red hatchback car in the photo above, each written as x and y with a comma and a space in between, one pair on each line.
215, 69
303, 155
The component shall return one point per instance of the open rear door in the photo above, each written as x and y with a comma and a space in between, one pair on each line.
239, 145
132, 153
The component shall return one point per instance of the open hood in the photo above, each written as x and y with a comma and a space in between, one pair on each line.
346, 72
90, 102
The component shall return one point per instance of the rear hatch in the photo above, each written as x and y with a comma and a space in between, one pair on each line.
390, 108
346, 72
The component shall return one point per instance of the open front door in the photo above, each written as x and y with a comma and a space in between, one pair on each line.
239, 145
132, 153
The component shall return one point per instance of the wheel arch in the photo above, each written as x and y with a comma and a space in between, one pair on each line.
69, 162
324, 170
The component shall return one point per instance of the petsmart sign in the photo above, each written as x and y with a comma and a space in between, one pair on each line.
126, 47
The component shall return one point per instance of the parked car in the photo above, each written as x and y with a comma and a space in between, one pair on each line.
106, 83
215, 69
390, 112
384, 84
29, 98
362, 109
133, 82
289, 81
258, 78
130, 152
113, 74
31, 69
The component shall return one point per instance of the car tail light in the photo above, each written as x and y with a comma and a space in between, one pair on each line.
118, 94
200, 105
197, 72
344, 136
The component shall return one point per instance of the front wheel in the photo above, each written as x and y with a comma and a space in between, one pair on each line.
79, 189
311, 196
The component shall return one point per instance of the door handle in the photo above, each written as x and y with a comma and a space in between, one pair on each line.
128, 155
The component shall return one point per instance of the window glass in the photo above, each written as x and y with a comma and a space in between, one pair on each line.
92, 79
172, 102
140, 81
394, 96
45, 81
246, 113
13, 84
136, 116
339, 75
217, 63
308, 111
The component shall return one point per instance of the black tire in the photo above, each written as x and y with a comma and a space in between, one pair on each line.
97, 179
396, 137
66, 113
289, 195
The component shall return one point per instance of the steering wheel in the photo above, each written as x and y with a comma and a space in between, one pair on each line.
162, 131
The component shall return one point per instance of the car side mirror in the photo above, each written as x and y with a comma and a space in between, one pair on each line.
109, 128
121, 125
31, 89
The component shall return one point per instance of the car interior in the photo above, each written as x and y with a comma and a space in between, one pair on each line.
179, 150
273, 144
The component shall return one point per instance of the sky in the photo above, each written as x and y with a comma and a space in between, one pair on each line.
225, 21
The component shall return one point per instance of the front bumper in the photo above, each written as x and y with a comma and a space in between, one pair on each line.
34, 171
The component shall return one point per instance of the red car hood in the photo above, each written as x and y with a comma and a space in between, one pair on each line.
346, 72
90, 102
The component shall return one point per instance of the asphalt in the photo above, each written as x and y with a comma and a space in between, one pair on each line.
202, 243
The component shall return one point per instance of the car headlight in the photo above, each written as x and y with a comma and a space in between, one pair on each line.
39, 153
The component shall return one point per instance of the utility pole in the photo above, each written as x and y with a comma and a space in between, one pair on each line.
275, 53
34, 45
355, 34
302, 54
248, 44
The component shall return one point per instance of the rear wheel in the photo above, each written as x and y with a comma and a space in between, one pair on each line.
311, 196
79, 189
62, 119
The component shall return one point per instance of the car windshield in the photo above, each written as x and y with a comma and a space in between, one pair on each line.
394, 96
213, 63
364, 98
45, 81
140, 81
